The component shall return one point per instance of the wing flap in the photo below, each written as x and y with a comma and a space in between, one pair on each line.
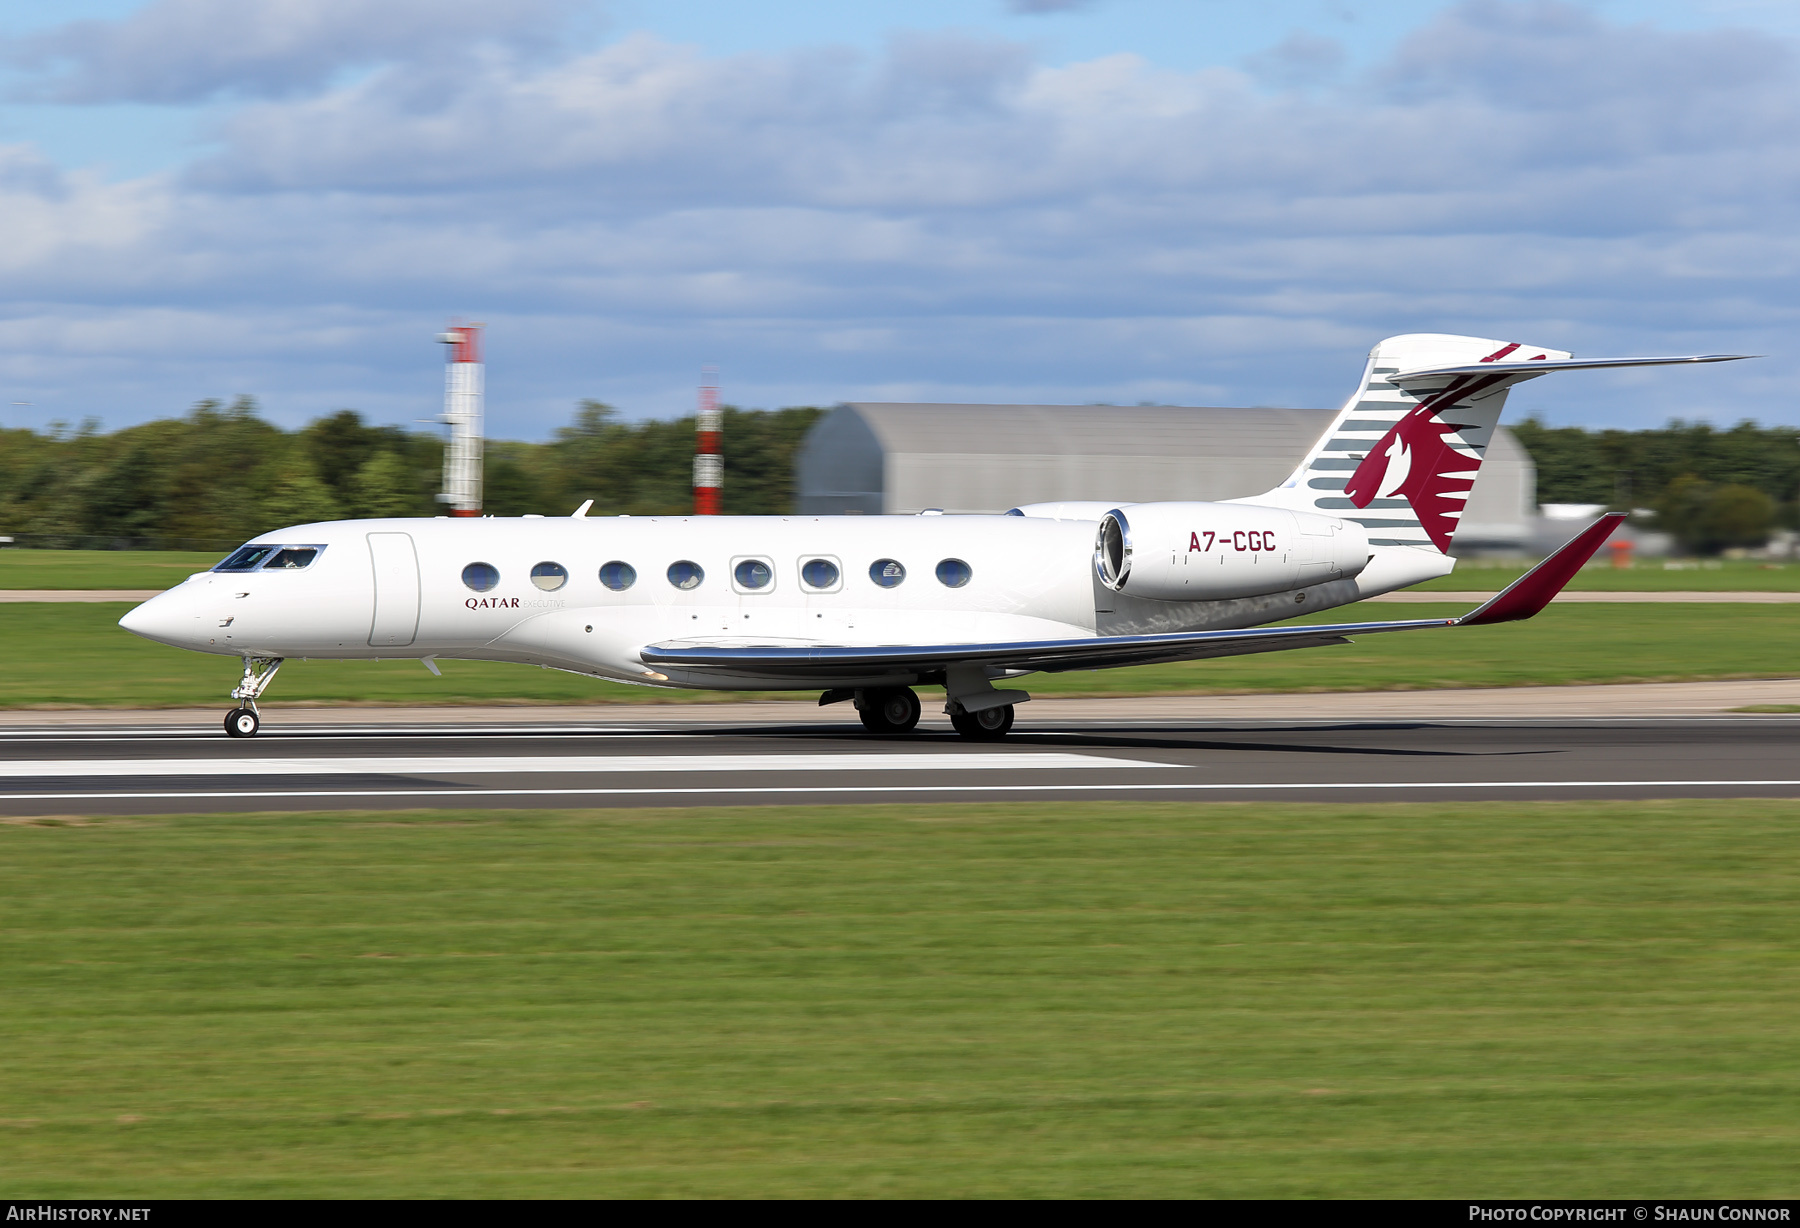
1047, 656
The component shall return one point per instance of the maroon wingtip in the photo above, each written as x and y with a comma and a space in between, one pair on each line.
1532, 591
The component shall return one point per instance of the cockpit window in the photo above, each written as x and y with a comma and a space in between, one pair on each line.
246, 558
292, 558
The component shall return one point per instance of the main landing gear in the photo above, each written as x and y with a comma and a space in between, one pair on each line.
893, 709
987, 725
243, 721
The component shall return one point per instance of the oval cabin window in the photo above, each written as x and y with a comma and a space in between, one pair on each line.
481, 577
886, 572
753, 573
819, 573
686, 574
618, 576
549, 576
953, 573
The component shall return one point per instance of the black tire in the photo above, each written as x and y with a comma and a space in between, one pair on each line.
242, 723
889, 710
988, 725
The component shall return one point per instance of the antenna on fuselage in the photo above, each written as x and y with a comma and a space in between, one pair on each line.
462, 412
709, 460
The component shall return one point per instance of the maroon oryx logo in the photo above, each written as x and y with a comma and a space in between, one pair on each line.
1415, 460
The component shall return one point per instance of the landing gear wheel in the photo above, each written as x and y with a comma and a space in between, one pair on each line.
987, 725
242, 721
888, 710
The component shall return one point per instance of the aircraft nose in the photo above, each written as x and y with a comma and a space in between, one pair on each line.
164, 619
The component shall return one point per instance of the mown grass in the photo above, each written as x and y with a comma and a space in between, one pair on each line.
1460, 1001
158, 569
78, 569
76, 655
1646, 575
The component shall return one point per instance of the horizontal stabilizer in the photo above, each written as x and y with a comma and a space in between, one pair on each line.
1527, 369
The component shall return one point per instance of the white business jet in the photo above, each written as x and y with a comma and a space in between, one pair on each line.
865, 608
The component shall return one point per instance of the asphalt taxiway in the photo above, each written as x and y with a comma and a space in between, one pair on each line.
790, 754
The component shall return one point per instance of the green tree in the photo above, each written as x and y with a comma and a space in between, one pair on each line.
509, 488
382, 487
298, 497
338, 447
126, 501
1706, 518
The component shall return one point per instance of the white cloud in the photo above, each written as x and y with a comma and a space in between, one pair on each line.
948, 220
175, 51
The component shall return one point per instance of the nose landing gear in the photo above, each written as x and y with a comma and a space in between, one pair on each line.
243, 721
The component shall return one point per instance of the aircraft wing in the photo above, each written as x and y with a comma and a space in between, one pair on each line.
1523, 598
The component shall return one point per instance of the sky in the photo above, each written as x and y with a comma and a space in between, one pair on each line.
1060, 201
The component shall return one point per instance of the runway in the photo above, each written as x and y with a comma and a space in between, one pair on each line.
813, 757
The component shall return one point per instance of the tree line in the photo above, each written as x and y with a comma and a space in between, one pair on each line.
223, 474
1710, 489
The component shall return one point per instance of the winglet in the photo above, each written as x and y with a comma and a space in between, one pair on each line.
1532, 591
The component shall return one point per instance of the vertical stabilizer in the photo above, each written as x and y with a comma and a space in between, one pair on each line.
1401, 457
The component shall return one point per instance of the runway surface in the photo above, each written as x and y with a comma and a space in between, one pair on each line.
357, 761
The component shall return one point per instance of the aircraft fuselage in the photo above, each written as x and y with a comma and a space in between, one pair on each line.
552, 591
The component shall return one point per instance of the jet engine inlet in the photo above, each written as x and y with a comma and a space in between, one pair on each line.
1222, 551
1112, 550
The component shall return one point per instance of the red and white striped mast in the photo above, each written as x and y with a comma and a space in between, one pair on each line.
462, 411
709, 460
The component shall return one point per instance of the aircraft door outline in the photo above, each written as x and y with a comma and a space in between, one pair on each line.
395, 564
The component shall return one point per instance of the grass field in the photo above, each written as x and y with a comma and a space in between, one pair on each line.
75, 655
1649, 575
135, 569
147, 569
1495, 1000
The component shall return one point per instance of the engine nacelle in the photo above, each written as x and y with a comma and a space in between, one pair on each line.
1214, 551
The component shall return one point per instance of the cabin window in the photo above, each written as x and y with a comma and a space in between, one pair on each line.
819, 573
618, 576
953, 573
886, 572
292, 558
753, 574
549, 576
481, 576
245, 558
686, 574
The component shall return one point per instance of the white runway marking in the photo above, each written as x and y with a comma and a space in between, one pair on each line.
888, 791
470, 765
322, 733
